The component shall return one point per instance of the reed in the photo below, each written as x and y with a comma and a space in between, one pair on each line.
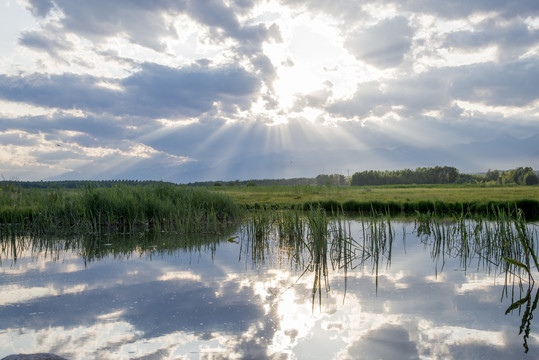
505, 240
123, 208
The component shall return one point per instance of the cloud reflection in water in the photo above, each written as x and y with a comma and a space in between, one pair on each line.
176, 304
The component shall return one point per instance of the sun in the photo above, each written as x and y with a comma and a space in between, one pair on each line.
310, 57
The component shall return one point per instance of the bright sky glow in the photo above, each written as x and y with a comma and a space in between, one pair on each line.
380, 82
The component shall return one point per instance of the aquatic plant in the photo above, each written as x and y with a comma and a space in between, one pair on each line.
163, 207
503, 240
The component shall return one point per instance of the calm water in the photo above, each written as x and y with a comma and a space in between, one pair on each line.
158, 299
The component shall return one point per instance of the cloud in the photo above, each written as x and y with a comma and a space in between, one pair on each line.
40, 7
465, 8
163, 91
154, 91
342, 9
144, 23
202, 79
384, 44
509, 84
43, 41
217, 15
513, 38
141, 22
386, 342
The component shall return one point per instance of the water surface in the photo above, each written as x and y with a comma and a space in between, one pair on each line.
160, 297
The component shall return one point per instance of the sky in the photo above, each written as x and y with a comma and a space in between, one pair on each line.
201, 90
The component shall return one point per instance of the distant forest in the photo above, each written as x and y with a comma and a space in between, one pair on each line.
444, 175
419, 176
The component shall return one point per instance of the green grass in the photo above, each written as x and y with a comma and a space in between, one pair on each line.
184, 209
123, 208
448, 199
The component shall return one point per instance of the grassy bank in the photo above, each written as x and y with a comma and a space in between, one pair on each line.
119, 208
445, 199
184, 209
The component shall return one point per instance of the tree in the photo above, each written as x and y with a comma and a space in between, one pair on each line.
530, 178
334, 179
492, 175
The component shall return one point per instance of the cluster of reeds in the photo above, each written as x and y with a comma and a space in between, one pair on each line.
503, 241
123, 208
258, 227
313, 241
317, 245
377, 244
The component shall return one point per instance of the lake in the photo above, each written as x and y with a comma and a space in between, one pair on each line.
163, 296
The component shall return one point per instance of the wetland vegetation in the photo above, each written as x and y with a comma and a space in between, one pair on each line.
129, 207
407, 200
120, 208
327, 250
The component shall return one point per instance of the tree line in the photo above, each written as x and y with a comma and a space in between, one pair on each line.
519, 176
443, 175
421, 175
76, 184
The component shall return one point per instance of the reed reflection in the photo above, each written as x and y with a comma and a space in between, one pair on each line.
329, 247
323, 245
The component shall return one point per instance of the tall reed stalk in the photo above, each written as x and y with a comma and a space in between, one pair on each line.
122, 208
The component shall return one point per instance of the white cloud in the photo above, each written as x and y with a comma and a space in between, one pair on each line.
121, 71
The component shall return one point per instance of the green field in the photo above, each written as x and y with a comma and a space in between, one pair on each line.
295, 195
407, 199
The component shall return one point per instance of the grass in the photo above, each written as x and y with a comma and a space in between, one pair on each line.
184, 209
449, 199
122, 208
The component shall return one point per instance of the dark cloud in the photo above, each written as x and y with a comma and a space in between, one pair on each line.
353, 10
384, 44
40, 7
511, 84
214, 13
43, 41
265, 69
513, 39
386, 342
143, 22
154, 91
162, 91
465, 8
89, 130
66, 91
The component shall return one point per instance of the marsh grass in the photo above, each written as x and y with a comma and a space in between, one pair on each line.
122, 208
377, 242
314, 242
317, 245
504, 241
317, 242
